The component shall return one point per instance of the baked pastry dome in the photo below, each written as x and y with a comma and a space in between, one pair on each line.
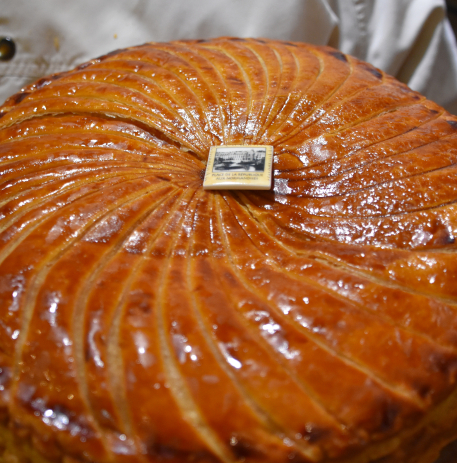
145, 319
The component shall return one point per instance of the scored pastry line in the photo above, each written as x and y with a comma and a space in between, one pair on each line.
169, 69
114, 353
86, 164
276, 107
200, 335
400, 155
423, 173
258, 411
343, 128
27, 165
35, 283
82, 105
348, 268
250, 289
370, 278
224, 122
387, 215
268, 96
41, 270
29, 226
66, 168
215, 55
188, 54
184, 114
359, 365
296, 276
303, 200
72, 180
105, 128
352, 153
360, 152
303, 93
126, 95
335, 262
297, 90
268, 112
241, 127
308, 449
300, 88
75, 340
130, 96
80, 124
317, 107
31, 150
318, 113
249, 99
80, 315
177, 384
263, 417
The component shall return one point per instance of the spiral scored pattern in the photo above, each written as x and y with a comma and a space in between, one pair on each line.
145, 319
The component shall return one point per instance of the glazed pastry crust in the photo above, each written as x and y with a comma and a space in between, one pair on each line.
145, 319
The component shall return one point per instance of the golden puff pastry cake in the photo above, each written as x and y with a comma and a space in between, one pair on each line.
145, 319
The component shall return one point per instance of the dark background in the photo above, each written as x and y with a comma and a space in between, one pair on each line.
449, 454
452, 13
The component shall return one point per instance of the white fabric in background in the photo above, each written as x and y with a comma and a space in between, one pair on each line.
410, 39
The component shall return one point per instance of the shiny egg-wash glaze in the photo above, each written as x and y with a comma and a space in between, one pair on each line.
144, 319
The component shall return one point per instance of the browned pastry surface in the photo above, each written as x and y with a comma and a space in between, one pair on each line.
144, 319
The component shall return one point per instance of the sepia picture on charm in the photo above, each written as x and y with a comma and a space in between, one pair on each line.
244, 159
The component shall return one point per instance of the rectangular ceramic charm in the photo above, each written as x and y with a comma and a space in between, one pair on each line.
239, 167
